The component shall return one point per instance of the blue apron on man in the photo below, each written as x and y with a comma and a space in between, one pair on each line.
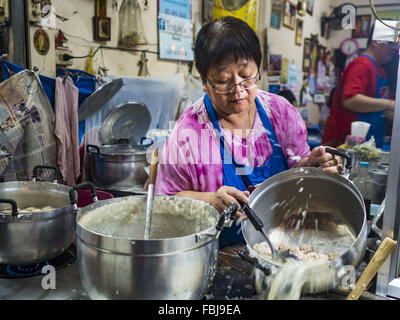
275, 164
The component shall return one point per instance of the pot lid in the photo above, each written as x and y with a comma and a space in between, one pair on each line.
124, 149
99, 98
129, 121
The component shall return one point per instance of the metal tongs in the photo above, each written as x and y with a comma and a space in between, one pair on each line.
258, 225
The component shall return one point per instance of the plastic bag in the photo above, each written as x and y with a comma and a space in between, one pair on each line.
367, 150
131, 31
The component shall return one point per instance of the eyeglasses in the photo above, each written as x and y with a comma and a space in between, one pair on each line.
389, 43
246, 84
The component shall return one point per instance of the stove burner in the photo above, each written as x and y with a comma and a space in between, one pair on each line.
27, 271
62, 261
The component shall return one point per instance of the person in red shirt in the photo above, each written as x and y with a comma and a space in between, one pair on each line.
362, 94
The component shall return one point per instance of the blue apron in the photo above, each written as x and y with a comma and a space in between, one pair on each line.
376, 119
248, 177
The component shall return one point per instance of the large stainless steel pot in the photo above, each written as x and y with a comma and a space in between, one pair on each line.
28, 238
118, 167
332, 197
123, 268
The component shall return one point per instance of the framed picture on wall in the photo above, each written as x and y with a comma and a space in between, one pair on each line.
102, 28
275, 64
302, 7
289, 15
307, 55
41, 42
266, 50
299, 32
325, 30
101, 8
175, 30
363, 26
314, 53
310, 6
276, 13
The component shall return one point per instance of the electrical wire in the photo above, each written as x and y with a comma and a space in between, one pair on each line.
128, 49
68, 57
371, 3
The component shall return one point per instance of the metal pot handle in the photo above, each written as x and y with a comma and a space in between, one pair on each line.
91, 146
146, 145
36, 169
343, 154
123, 141
82, 186
226, 220
13, 205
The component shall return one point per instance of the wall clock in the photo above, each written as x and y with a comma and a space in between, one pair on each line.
349, 46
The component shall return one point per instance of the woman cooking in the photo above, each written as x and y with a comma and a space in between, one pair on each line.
237, 136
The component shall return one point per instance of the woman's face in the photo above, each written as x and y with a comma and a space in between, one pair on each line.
239, 100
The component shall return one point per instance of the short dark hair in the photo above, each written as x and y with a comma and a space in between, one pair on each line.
223, 37
288, 94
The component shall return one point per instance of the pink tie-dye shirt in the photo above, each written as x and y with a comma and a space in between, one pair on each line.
191, 158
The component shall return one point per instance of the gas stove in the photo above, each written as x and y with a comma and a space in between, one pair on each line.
19, 271
29, 283
233, 280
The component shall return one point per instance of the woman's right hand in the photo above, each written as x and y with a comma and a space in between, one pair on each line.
225, 196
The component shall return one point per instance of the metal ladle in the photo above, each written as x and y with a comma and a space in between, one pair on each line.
258, 225
150, 193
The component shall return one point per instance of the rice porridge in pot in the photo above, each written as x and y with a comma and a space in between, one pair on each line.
172, 217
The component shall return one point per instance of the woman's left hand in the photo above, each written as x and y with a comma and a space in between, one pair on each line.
329, 162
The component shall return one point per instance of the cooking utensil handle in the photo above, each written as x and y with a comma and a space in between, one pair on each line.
91, 146
380, 256
254, 219
36, 169
374, 223
13, 205
150, 192
342, 154
254, 262
82, 186
154, 167
221, 222
257, 224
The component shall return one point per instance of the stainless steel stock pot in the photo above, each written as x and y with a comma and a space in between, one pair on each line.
28, 238
332, 199
115, 267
